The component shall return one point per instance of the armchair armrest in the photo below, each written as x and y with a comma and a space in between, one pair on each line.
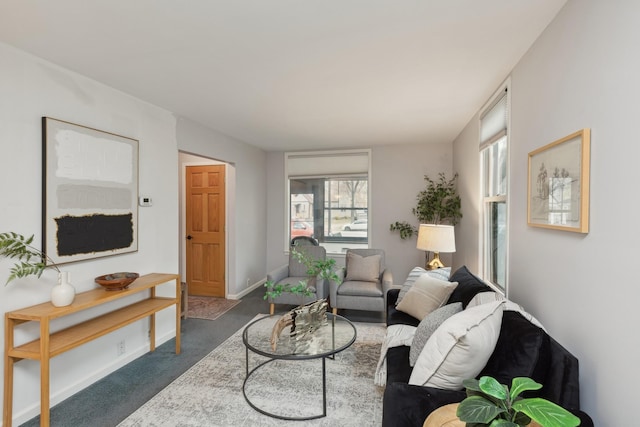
278, 274
322, 287
333, 286
387, 283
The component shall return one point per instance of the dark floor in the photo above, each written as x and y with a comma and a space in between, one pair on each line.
109, 401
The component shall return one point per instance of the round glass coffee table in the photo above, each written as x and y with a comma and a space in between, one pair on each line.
333, 337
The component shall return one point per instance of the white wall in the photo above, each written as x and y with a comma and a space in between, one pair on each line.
582, 72
247, 240
397, 176
32, 88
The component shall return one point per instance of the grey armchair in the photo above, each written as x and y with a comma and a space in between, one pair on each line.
364, 284
292, 273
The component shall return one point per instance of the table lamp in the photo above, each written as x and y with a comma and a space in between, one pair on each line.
436, 238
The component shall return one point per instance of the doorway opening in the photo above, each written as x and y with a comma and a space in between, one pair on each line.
204, 224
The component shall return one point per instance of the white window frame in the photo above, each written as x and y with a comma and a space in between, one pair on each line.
486, 201
340, 166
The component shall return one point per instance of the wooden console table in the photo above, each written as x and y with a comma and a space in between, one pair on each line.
52, 344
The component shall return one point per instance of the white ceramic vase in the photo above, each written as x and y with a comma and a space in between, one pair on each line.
63, 293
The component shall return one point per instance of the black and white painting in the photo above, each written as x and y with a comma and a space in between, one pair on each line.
90, 192
559, 184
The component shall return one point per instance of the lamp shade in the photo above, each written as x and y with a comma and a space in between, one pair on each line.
436, 238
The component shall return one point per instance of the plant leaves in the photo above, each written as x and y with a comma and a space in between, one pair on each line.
503, 423
30, 259
471, 384
477, 409
493, 388
522, 384
546, 413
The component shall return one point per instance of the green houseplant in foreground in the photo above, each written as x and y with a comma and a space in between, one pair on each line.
324, 269
29, 259
489, 403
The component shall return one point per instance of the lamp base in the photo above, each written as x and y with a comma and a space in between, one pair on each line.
435, 263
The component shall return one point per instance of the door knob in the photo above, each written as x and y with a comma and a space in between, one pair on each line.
189, 237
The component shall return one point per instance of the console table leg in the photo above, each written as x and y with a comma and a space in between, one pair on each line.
44, 373
9, 324
178, 313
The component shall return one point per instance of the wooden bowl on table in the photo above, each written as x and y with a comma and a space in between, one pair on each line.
116, 281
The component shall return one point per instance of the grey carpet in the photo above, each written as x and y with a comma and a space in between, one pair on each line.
210, 393
112, 399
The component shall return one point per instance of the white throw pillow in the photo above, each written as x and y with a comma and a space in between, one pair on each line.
486, 297
438, 273
426, 294
459, 348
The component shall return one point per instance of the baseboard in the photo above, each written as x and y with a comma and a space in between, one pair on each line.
34, 410
248, 290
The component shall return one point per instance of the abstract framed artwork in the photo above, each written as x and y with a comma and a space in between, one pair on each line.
558, 184
90, 192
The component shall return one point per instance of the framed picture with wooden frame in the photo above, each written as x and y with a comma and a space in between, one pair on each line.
558, 184
90, 192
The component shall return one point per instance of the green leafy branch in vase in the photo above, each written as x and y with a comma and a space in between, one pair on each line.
316, 268
30, 259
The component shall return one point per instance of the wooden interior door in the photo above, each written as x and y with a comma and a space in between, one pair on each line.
205, 239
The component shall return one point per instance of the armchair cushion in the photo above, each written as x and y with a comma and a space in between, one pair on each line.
359, 268
359, 288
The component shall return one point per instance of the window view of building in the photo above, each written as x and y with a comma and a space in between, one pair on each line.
332, 210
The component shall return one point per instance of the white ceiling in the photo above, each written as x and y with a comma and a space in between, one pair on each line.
292, 74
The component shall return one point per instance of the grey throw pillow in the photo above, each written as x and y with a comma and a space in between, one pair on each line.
364, 269
427, 327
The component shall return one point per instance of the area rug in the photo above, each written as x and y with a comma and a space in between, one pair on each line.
210, 392
209, 307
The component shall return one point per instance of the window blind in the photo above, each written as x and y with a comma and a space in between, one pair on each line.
493, 122
325, 164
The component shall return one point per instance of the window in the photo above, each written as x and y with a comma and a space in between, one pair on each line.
328, 198
494, 168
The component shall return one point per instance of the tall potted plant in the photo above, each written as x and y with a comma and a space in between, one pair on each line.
438, 203
32, 261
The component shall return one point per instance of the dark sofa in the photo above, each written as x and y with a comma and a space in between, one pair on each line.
522, 350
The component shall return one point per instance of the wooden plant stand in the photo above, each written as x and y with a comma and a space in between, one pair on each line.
52, 344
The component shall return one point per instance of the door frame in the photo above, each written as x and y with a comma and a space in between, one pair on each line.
204, 161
